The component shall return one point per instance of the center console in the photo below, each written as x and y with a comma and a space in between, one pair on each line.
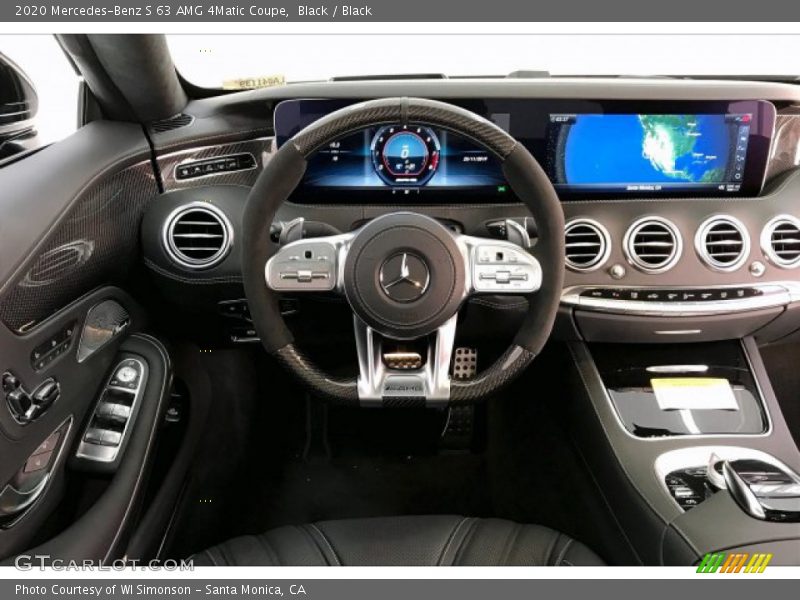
689, 448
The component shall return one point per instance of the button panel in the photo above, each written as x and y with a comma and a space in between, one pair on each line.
111, 420
214, 166
30, 480
305, 265
48, 351
503, 269
673, 295
239, 323
688, 487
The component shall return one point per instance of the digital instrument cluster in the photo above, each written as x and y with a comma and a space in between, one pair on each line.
401, 159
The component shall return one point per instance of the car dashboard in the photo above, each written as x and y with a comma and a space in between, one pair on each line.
679, 195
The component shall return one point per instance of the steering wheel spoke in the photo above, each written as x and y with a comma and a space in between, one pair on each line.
309, 265
499, 267
387, 378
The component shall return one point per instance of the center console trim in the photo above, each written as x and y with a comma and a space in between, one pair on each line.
691, 436
697, 456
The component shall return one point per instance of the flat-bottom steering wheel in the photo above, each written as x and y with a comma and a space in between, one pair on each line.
404, 274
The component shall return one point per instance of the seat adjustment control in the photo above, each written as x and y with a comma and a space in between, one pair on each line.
26, 407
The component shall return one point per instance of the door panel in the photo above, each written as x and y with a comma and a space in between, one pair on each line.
69, 226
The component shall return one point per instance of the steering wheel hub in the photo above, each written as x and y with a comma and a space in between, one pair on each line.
404, 275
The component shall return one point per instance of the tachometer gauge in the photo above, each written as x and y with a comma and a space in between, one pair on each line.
405, 155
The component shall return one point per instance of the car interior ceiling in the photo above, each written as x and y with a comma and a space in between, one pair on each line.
223, 313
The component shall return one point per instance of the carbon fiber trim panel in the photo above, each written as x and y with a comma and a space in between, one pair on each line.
340, 391
785, 152
405, 110
411, 402
261, 149
501, 373
95, 244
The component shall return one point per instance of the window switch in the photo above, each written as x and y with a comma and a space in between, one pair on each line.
111, 437
94, 435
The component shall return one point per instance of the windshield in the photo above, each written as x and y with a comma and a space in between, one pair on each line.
257, 60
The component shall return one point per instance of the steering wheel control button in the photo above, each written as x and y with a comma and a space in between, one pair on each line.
304, 265
505, 269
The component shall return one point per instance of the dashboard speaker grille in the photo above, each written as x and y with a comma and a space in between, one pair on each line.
587, 245
653, 244
198, 236
723, 243
176, 122
781, 241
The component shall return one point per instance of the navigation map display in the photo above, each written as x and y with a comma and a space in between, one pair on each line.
638, 153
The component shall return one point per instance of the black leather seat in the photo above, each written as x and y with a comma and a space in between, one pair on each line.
403, 541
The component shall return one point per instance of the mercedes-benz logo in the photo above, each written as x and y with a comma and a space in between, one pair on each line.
404, 277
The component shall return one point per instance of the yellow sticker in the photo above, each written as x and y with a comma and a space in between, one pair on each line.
694, 393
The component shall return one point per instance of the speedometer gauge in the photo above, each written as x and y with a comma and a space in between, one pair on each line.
405, 155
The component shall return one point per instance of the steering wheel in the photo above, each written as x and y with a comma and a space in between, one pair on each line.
404, 274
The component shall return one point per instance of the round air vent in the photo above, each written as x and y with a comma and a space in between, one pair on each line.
587, 245
198, 235
723, 243
780, 241
653, 244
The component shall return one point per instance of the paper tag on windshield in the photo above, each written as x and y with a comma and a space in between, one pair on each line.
252, 83
694, 393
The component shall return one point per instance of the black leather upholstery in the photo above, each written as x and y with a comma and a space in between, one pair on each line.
403, 541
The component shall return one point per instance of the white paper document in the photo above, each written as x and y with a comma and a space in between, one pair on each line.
694, 393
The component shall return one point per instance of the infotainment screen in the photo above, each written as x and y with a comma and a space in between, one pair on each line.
645, 153
589, 149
